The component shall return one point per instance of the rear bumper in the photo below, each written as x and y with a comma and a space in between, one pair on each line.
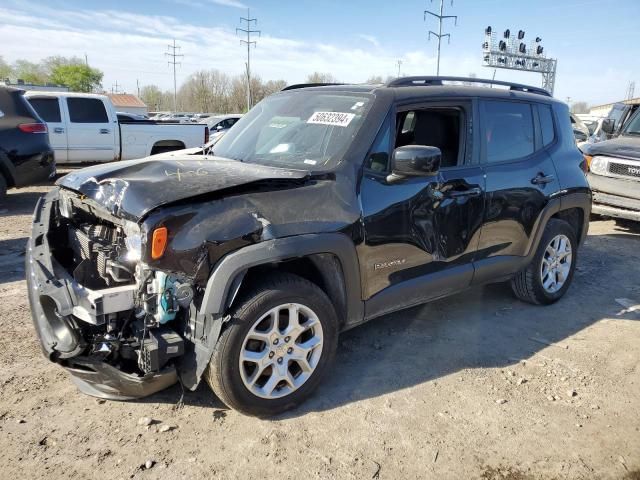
58, 303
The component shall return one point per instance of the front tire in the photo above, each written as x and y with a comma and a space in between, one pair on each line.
547, 278
280, 342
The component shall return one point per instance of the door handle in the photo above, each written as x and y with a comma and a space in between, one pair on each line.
542, 179
472, 192
105, 131
58, 130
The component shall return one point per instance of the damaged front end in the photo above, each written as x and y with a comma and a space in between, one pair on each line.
99, 310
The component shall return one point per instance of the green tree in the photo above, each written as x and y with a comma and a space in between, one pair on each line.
29, 72
5, 69
78, 77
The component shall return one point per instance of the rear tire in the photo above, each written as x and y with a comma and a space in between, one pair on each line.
263, 363
3, 187
547, 278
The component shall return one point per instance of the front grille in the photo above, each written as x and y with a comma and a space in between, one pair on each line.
624, 169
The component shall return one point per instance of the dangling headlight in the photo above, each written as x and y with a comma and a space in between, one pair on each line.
132, 242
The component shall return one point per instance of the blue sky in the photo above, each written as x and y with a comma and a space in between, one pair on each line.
597, 43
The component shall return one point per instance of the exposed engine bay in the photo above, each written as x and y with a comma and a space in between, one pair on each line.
128, 314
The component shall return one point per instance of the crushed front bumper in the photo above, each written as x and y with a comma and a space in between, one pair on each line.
59, 303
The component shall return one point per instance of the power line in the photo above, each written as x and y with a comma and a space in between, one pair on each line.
248, 42
439, 35
172, 53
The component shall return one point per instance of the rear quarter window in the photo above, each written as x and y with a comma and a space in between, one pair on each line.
547, 127
47, 108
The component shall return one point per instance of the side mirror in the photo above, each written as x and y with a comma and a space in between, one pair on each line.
608, 125
219, 127
414, 161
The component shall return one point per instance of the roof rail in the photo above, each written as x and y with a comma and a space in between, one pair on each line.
431, 81
308, 85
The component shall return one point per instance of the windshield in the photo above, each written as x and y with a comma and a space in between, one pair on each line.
302, 129
633, 127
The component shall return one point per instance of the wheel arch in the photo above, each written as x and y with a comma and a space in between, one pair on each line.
7, 170
574, 208
164, 144
328, 260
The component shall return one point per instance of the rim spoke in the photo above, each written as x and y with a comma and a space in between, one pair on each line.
254, 357
271, 384
256, 375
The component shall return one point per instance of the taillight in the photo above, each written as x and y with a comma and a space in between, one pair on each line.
206, 135
33, 127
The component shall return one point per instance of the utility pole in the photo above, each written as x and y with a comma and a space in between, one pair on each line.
439, 35
138, 87
173, 55
114, 87
399, 62
248, 42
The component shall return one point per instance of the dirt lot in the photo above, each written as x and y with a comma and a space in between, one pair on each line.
474, 386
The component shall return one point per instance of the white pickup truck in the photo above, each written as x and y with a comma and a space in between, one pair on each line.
84, 127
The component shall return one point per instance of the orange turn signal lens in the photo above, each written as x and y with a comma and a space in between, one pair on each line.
158, 242
587, 159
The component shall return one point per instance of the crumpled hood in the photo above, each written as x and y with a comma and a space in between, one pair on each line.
628, 147
130, 189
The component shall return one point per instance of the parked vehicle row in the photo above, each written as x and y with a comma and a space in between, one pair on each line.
321, 209
614, 169
86, 128
26, 158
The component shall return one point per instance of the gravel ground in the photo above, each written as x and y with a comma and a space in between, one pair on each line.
474, 386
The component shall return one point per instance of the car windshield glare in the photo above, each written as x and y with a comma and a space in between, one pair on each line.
307, 130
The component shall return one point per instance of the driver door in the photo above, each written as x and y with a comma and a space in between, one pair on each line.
420, 233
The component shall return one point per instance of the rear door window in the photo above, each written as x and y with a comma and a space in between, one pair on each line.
47, 108
509, 132
87, 110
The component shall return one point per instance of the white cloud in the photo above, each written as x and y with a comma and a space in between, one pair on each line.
129, 47
370, 38
229, 3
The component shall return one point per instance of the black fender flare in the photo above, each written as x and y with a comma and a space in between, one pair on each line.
566, 201
7, 169
224, 279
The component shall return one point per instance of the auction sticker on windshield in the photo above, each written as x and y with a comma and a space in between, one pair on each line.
338, 119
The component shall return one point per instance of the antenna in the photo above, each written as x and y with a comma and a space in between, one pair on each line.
248, 42
440, 35
172, 53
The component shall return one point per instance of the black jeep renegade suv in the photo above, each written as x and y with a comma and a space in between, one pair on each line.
322, 208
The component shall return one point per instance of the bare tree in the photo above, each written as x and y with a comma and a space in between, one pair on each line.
319, 77
579, 107
152, 96
374, 80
